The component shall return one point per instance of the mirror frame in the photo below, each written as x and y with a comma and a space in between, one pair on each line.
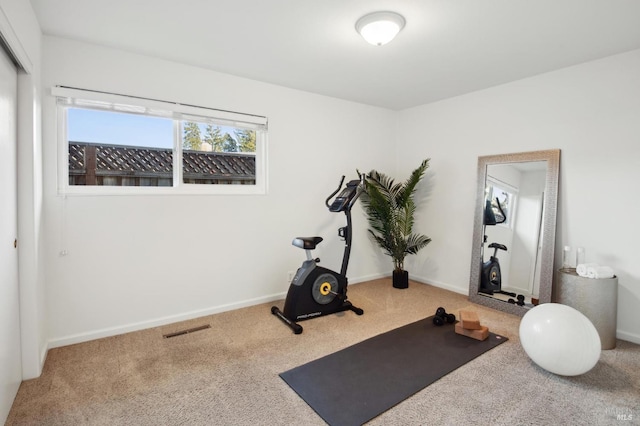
552, 157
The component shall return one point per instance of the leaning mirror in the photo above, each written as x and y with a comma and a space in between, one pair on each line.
514, 230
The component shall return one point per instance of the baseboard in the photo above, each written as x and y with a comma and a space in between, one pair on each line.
366, 278
43, 355
629, 337
114, 331
412, 277
622, 335
439, 284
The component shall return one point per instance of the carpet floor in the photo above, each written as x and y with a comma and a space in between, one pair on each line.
228, 374
352, 386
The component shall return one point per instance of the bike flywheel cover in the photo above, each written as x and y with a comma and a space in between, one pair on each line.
325, 289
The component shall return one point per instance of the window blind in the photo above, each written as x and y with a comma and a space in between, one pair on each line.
92, 99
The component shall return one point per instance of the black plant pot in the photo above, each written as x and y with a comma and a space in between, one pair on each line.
400, 279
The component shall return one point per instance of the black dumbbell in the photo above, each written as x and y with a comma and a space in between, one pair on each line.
519, 302
442, 317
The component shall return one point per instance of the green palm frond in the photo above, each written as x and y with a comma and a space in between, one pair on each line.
409, 187
390, 210
416, 242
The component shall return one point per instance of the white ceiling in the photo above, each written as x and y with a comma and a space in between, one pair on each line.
447, 48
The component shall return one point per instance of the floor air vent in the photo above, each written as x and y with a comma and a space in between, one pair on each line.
187, 331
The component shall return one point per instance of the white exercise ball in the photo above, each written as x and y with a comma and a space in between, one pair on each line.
560, 339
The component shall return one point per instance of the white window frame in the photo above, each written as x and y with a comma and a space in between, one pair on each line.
513, 192
85, 99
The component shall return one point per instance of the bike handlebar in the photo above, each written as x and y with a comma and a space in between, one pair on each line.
334, 192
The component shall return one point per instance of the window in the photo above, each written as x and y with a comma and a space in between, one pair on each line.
502, 199
217, 154
117, 144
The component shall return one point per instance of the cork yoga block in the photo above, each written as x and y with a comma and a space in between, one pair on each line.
481, 334
469, 320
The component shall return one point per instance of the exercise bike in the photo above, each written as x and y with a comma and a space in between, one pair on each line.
316, 291
491, 276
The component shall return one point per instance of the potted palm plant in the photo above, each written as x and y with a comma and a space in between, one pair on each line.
390, 209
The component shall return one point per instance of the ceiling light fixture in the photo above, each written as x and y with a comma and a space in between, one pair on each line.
380, 28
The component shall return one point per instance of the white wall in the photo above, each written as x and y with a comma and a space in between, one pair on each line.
134, 261
590, 112
528, 217
127, 269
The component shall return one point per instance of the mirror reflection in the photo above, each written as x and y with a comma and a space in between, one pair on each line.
514, 230
512, 237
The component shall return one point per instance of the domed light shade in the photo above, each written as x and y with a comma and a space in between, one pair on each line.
380, 28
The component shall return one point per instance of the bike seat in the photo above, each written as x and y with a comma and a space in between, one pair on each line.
498, 246
307, 243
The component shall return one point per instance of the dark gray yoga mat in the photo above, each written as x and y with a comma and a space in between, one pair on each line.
358, 383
